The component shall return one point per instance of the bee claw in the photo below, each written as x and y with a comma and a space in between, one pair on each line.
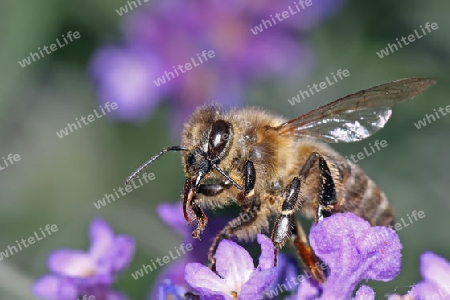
196, 234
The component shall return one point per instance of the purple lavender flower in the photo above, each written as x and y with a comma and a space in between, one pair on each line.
436, 278
174, 273
354, 251
77, 273
287, 271
401, 297
172, 277
364, 293
349, 246
172, 215
236, 275
171, 34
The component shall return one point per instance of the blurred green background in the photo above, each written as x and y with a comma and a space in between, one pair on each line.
57, 180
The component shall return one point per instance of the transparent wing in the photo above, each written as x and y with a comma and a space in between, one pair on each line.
356, 116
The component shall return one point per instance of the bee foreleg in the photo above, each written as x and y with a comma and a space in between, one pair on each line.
228, 231
201, 218
249, 185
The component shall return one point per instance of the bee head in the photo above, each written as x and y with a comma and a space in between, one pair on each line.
205, 157
206, 140
211, 150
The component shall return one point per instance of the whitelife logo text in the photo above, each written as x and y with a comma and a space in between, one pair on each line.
11, 250
265, 24
128, 189
430, 118
319, 87
53, 47
187, 66
162, 261
391, 48
71, 127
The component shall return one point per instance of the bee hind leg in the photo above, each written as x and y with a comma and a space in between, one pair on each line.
311, 262
327, 191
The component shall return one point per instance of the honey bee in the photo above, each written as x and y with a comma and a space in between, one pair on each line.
271, 166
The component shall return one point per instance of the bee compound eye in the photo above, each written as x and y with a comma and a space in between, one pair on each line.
218, 138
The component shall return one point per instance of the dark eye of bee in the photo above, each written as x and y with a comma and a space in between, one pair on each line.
218, 139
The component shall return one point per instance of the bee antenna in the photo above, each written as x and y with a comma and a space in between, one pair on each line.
227, 177
151, 160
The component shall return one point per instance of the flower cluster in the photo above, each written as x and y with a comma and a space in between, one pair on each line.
355, 251
350, 249
213, 43
77, 273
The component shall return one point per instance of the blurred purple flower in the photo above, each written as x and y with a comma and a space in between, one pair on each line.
77, 273
435, 272
236, 275
354, 251
168, 290
171, 34
124, 75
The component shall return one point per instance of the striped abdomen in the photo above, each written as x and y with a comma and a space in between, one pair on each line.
364, 198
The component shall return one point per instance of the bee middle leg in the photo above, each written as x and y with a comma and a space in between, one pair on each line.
309, 259
287, 226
